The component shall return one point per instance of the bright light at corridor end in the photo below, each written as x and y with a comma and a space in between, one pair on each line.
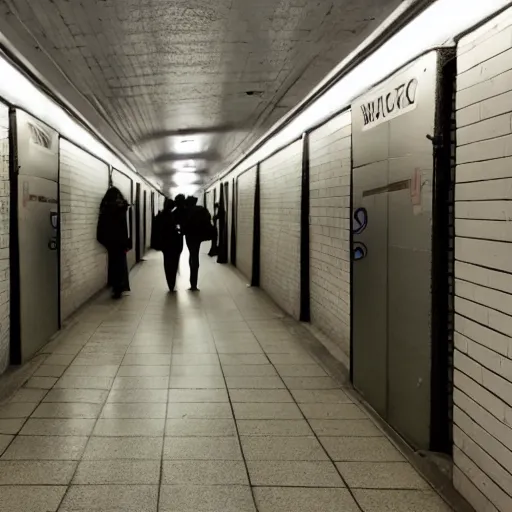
184, 178
436, 26
188, 190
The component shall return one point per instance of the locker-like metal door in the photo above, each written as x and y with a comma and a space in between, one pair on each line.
370, 228
37, 151
392, 272
144, 223
138, 226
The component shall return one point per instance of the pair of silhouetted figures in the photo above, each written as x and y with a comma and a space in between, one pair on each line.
180, 218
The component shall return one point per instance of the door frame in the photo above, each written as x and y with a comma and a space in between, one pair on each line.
14, 247
138, 256
442, 277
234, 205
225, 192
144, 222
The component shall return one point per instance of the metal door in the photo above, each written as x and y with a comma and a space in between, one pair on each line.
234, 203
370, 227
138, 241
392, 180
227, 221
37, 233
144, 223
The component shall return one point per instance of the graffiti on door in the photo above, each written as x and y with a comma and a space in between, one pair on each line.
359, 223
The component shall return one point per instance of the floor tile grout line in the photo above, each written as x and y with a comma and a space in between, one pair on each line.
14, 436
401, 489
68, 487
357, 403
307, 421
47, 391
237, 432
161, 474
292, 400
321, 445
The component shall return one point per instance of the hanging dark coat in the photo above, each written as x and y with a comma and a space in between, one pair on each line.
112, 233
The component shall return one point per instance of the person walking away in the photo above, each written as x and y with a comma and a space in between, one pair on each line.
215, 234
170, 241
198, 229
112, 233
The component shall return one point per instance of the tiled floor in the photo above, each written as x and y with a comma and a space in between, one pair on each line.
190, 403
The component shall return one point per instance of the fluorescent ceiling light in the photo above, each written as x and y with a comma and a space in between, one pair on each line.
186, 165
188, 146
184, 178
438, 25
18, 90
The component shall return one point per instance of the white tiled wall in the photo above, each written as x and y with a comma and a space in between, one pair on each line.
4, 238
280, 190
245, 222
83, 183
483, 268
330, 169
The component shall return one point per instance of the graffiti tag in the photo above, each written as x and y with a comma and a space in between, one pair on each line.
389, 105
359, 223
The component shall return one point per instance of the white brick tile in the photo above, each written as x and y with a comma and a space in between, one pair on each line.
484, 252
484, 336
469, 367
485, 70
484, 229
330, 169
484, 295
480, 416
477, 94
488, 358
492, 44
499, 498
84, 181
467, 488
245, 222
487, 128
485, 462
280, 192
480, 395
484, 210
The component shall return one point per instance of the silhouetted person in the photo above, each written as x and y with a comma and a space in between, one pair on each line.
198, 228
112, 233
171, 241
180, 213
215, 234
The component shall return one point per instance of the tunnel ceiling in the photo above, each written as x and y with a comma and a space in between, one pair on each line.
195, 79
